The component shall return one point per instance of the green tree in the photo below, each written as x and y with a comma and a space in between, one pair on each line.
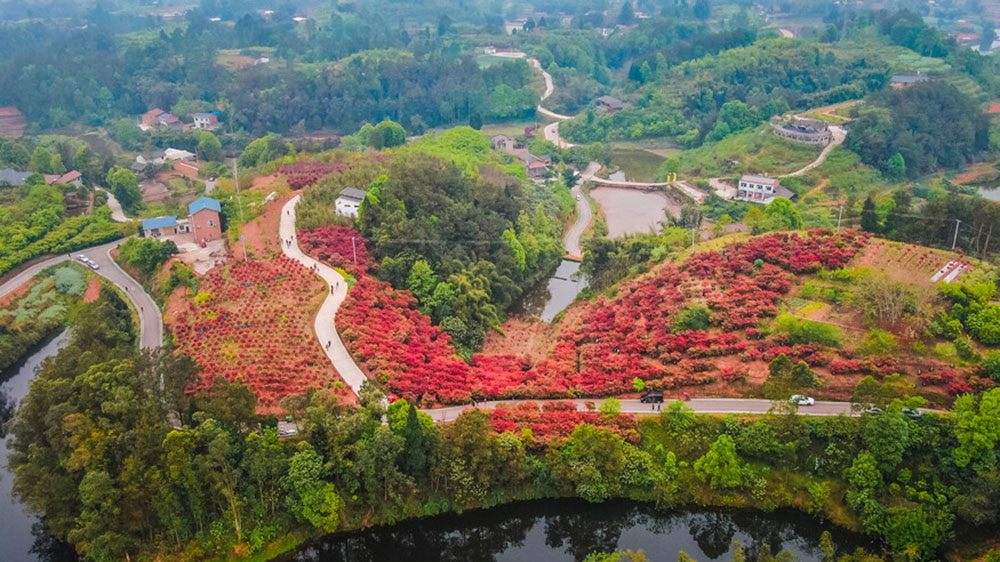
41, 160
309, 497
877, 342
721, 467
125, 188
977, 426
782, 215
887, 436
590, 462
209, 148
692, 318
869, 217
895, 168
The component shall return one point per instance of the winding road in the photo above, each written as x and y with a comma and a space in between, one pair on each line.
571, 241
150, 319
839, 135
326, 330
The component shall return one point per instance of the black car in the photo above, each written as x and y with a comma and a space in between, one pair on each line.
651, 398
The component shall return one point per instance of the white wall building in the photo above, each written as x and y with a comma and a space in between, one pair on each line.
349, 202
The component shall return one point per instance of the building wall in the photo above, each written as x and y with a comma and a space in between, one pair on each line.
205, 225
347, 207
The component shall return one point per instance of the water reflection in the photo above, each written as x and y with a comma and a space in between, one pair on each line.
548, 298
567, 530
22, 536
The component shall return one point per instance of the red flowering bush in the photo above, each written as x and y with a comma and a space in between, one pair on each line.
340, 246
556, 421
308, 172
245, 320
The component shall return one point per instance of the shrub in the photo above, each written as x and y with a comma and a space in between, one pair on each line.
878, 342
692, 318
807, 331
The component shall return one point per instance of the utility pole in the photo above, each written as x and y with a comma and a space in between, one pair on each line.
239, 203
955, 239
839, 216
354, 248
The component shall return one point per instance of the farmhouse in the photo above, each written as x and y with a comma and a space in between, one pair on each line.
155, 118
349, 202
71, 177
803, 131
159, 227
608, 104
12, 178
760, 189
206, 121
537, 166
204, 219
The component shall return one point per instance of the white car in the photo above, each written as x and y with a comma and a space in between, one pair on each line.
82, 258
802, 400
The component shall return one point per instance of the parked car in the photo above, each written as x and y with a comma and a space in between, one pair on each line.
92, 265
874, 410
82, 258
912, 413
651, 397
802, 400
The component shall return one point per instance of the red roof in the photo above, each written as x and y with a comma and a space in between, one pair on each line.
994, 107
538, 164
156, 112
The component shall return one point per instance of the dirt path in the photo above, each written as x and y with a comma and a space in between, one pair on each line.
839, 135
326, 329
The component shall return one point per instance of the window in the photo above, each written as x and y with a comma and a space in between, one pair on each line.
211, 222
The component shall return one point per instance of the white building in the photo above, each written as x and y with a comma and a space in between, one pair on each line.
761, 189
349, 202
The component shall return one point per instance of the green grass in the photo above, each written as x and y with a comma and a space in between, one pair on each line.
638, 164
754, 152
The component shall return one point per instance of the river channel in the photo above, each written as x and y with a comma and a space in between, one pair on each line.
568, 530
18, 541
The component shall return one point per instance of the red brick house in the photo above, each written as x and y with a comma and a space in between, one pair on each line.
204, 217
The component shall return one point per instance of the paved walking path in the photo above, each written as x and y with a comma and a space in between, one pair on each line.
150, 319
117, 213
699, 405
326, 330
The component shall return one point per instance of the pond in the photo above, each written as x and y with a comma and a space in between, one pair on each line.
22, 538
550, 297
634, 211
567, 530
993, 193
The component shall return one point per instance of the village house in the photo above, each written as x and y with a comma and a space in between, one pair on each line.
204, 218
502, 142
204, 222
71, 177
803, 131
609, 104
206, 121
12, 178
159, 227
537, 166
349, 202
156, 118
761, 189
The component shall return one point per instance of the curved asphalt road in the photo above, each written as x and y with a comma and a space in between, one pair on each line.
571, 241
699, 405
150, 319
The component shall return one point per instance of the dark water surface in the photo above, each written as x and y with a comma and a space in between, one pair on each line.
22, 538
567, 530
551, 296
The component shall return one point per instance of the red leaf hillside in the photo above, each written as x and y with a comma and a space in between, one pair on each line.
307, 172
339, 246
253, 322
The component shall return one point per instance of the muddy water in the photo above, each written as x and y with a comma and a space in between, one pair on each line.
633, 211
552, 296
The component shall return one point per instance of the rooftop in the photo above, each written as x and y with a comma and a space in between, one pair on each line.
202, 203
352, 193
12, 177
159, 222
760, 179
908, 78
611, 102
